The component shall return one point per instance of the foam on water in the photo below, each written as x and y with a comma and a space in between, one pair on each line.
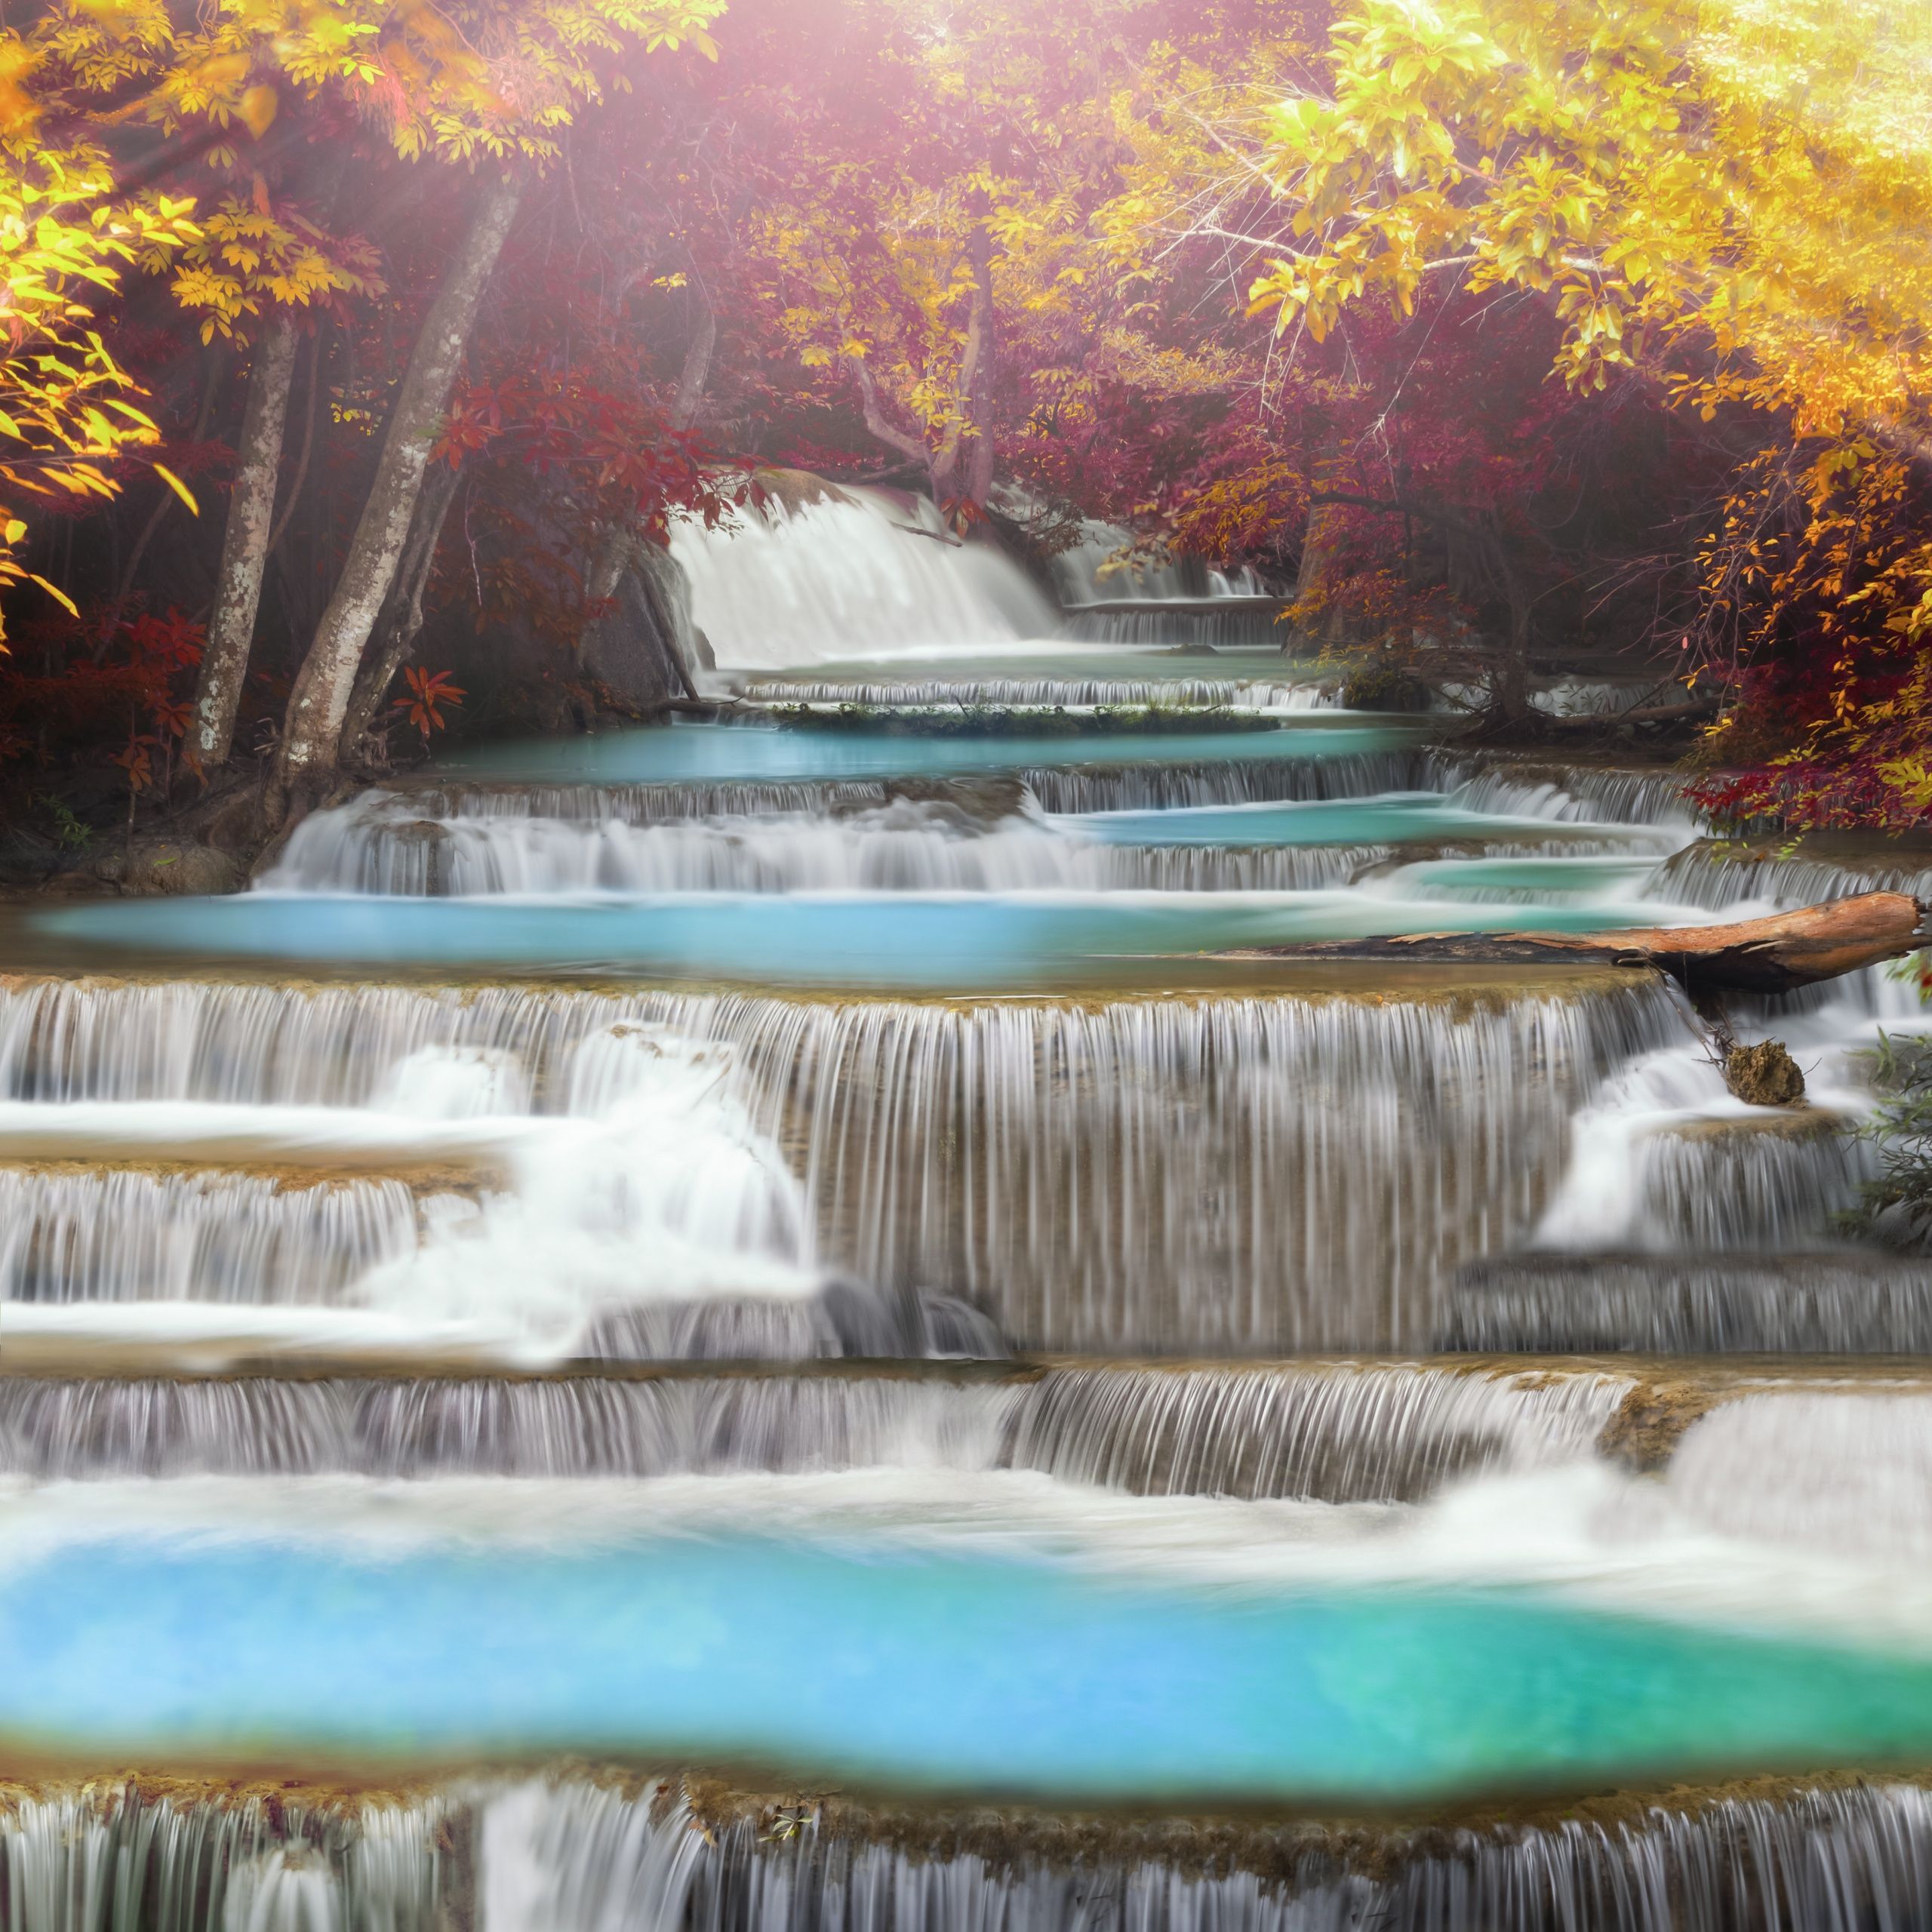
1291, 1649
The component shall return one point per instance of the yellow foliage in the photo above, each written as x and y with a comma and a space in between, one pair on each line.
65, 411
459, 81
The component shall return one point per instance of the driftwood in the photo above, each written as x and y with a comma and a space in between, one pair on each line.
1590, 723
1754, 956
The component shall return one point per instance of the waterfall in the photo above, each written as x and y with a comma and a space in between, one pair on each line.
641, 1211
1344, 1433
1854, 1302
197, 1859
69, 1235
580, 1856
1240, 693
1230, 623
1701, 875
1740, 1184
1855, 1469
1603, 795
905, 845
419, 810
585, 1853
852, 573
1167, 602
1292, 1171
1366, 1434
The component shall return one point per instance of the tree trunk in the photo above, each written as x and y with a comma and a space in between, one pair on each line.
396, 631
244, 547
164, 502
1770, 956
696, 371
1318, 621
320, 699
976, 384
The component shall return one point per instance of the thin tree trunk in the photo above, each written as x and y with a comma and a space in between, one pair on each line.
244, 547
124, 585
402, 619
976, 366
299, 481
320, 700
696, 371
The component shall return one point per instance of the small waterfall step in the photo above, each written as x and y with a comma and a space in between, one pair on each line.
1413, 1124
1352, 1431
1829, 1301
1343, 1432
981, 837
595, 1848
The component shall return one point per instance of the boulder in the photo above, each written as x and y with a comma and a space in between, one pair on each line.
1764, 1076
171, 867
639, 649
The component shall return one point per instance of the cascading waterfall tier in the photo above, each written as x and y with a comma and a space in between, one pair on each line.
1243, 693
852, 573
1231, 623
585, 1853
1339, 1433
78, 1234
1605, 795
1850, 1302
1061, 789
1774, 1185
582, 1859
168, 1855
1246, 1174
383, 844
1722, 878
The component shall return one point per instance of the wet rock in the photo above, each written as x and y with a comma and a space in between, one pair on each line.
976, 805
798, 489
171, 867
1764, 1076
635, 647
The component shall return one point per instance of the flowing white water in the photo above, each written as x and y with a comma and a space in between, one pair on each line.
102, 1856
576, 1856
1248, 694
1105, 567
1343, 1433
382, 843
1242, 1173
574, 1852
1726, 880
837, 579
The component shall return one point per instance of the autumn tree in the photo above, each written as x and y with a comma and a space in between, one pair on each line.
1723, 196
280, 94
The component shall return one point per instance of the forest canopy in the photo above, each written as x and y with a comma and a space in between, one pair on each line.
355, 350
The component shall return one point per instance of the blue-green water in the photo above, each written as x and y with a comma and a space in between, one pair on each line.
1123, 663
1387, 818
717, 754
960, 942
926, 1669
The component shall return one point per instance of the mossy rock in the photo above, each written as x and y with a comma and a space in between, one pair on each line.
178, 868
1764, 1076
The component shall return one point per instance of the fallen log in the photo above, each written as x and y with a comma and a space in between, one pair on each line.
1582, 724
1770, 956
